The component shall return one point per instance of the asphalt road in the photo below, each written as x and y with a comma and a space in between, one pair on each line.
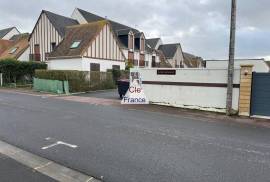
111, 94
11, 171
120, 145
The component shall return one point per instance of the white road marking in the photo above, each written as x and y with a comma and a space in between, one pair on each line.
59, 143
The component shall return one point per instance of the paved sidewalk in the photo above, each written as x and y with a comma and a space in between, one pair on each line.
11, 171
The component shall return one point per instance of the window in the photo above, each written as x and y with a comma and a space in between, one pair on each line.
94, 67
153, 61
13, 50
116, 67
37, 52
53, 46
75, 44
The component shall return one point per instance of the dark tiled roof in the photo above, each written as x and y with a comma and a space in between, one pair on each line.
152, 42
169, 50
90, 17
84, 33
118, 28
21, 43
60, 22
5, 31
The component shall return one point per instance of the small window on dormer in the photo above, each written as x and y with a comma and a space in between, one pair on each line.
13, 50
75, 44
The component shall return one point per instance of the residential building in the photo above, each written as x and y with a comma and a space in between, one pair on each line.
192, 61
259, 65
152, 46
173, 54
132, 41
92, 46
48, 32
17, 47
7, 33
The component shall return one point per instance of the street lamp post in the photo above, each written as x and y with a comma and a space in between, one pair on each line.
231, 59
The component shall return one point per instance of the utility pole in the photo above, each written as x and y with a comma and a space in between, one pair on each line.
231, 59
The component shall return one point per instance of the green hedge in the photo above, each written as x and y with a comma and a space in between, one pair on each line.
15, 71
119, 74
79, 81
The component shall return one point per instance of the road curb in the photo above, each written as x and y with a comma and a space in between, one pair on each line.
44, 166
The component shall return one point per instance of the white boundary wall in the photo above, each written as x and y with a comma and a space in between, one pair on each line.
203, 97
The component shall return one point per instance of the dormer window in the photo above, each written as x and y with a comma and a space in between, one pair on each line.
13, 50
75, 44
131, 41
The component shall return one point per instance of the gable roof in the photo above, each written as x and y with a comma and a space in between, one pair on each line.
21, 43
152, 42
118, 28
90, 17
4, 32
84, 33
169, 50
60, 22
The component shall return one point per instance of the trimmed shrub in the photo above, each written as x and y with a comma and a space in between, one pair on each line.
79, 81
15, 71
119, 74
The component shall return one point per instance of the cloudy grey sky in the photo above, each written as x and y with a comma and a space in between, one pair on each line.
201, 26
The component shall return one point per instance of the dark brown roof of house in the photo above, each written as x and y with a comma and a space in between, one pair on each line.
4, 44
192, 61
21, 43
84, 33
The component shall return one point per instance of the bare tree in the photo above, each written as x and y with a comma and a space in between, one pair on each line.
231, 59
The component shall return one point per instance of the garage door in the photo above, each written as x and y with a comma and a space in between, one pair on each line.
260, 101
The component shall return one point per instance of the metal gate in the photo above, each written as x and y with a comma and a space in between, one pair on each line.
260, 100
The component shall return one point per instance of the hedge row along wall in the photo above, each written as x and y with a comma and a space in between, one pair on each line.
79, 81
15, 71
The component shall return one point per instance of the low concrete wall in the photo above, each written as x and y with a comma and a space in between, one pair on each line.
203, 89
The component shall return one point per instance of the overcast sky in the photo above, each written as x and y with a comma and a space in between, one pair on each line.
201, 26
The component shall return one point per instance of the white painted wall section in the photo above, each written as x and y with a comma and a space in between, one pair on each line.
259, 64
82, 64
194, 97
25, 55
104, 64
65, 64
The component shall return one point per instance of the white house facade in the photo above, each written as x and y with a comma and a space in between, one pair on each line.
8, 33
88, 47
47, 34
